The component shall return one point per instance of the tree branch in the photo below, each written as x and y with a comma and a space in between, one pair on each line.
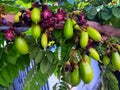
105, 29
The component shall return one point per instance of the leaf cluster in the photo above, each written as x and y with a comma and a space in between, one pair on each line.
107, 79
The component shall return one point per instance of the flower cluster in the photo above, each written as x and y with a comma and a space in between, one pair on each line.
51, 20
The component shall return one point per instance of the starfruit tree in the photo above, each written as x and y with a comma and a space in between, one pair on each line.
61, 36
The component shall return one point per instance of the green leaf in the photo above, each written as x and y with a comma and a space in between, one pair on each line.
23, 61
26, 1
100, 2
97, 2
93, 11
68, 6
33, 85
1, 63
115, 22
111, 67
111, 77
62, 88
50, 56
51, 69
39, 56
23, 4
26, 86
34, 53
71, 1
36, 79
5, 75
64, 52
29, 75
12, 9
3, 82
12, 70
10, 6
116, 12
106, 14
2, 39
7, 2
53, 8
57, 33
1, 59
101, 48
113, 40
90, 17
45, 65
28, 32
12, 54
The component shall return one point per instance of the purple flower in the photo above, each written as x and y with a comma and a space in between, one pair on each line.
9, 35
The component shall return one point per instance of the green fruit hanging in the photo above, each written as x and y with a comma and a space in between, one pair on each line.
35, 15
36, 31
44, 40
75, 25
86, 71
94, 54
68, 29
75, 76
87, 58
118, 46
83, 39
17, 17
106, 60
94, 34
21, 45
116, 60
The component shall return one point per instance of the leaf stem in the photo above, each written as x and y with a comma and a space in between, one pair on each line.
102, 82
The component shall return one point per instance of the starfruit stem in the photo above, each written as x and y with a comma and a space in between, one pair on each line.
44, 48
100, 61
36, 40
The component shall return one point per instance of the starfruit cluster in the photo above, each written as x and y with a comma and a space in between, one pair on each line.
112, 55
88, 38
76, 71
85, 35
42, 22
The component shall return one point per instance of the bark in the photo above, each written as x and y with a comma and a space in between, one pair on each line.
10, 17
104, 29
